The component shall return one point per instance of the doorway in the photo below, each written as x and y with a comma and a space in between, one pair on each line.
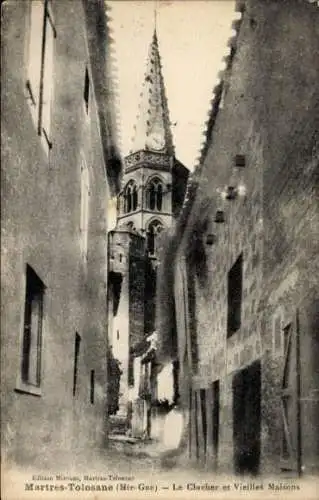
215, 422
202, 394
247, 419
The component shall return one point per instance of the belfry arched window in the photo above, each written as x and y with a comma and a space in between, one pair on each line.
154, 229
154, 195
130, 197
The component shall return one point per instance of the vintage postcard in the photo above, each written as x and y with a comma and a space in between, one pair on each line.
159, 256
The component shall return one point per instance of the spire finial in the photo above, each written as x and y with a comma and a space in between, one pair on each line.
155, 16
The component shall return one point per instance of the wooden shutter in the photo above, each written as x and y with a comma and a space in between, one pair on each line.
190, 323
196, 420
181, 314
35, 50
85, 195
47, 75
202, 394
290, 386
190, 422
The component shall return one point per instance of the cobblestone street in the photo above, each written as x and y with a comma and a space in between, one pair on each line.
133, 455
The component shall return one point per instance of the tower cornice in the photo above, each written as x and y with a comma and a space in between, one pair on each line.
147, 158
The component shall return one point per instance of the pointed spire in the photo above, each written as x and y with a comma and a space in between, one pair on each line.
152, 130
155, 17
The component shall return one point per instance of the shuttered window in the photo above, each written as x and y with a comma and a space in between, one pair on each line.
35, 52
235, 279
85, 198
32, 333
290, 387
39, 82
131, 371
47, 77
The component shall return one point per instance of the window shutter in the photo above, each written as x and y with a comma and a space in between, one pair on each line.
189, 301
47, 83
85, 189
290, 454
180, 308
34, 340
35, 51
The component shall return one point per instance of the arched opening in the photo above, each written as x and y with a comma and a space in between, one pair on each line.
151, 240
152, 197
130, 197
159, 198
134, 198
154, 229
155, 195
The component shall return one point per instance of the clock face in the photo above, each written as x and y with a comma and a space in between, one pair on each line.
156, 141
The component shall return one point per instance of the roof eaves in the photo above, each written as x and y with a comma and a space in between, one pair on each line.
193, 179
100, 45
218, 89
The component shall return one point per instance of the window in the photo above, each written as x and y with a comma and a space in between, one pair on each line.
92, 386
32, 331
117, 334
131, 371
235, 296
40, 66
154, 195
153, 231
85, 196
86, 90
77, 342
130, 197
35, 52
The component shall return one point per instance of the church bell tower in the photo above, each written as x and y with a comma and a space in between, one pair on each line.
152, 194
146, 200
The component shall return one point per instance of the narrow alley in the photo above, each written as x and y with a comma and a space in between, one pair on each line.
159, 286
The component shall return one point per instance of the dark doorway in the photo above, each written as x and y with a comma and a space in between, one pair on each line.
215, 426
148, 422
247, 419
196, 425
190, 407
204, 417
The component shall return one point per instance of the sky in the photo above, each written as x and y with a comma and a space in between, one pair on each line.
192, 37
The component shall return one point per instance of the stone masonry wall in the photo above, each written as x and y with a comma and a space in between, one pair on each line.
136, 289
269, 115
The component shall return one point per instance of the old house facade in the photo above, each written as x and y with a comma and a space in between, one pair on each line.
245, 280
152, 193
60, 170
